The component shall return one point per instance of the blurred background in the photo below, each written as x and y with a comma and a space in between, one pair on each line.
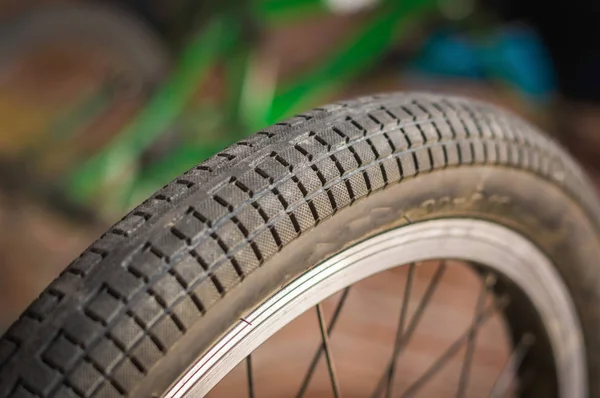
103, 102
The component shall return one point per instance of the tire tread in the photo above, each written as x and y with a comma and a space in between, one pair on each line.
119, 307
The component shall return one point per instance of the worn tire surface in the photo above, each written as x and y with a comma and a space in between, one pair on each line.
178, 271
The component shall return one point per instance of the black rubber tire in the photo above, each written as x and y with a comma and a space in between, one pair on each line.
137, 308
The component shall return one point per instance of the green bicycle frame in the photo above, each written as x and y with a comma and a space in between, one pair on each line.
253, 103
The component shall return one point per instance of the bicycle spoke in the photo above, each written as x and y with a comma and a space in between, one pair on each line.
414, 322
470, 350
400, 330
453, 349
250, 377
328, 355
319, 352
504, 381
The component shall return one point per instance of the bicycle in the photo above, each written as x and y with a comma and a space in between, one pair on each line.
128, 163
188, 284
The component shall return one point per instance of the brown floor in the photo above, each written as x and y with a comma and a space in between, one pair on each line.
35, 245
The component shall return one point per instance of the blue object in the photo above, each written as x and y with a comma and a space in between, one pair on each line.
514, 55
448, 54
519, 57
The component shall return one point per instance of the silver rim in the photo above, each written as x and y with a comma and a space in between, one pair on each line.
494, 246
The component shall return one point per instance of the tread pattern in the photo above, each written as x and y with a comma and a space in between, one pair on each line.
100, 327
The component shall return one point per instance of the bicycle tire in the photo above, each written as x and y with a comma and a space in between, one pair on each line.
157, 290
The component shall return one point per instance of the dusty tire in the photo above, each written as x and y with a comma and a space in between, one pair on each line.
139, 306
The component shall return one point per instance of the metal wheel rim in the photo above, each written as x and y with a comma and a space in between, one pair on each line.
497, 247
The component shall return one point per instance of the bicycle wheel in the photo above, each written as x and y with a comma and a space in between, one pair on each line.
188, 284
